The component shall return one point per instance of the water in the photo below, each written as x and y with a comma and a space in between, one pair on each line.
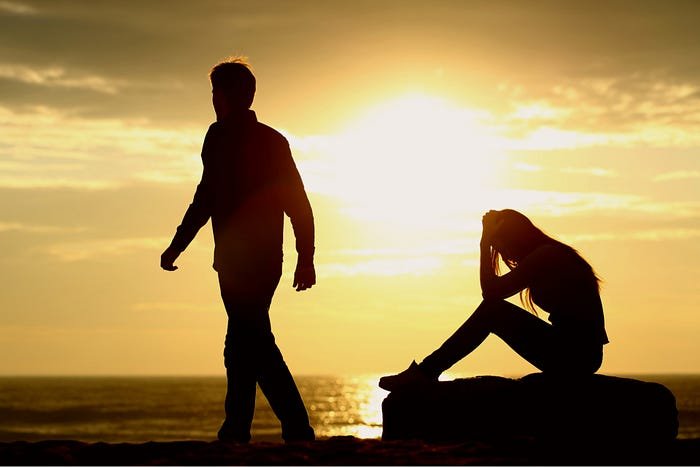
686, 388
137, 409
126, 409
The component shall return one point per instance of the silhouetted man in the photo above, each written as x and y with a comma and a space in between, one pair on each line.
249, 182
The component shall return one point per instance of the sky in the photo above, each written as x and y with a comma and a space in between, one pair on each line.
408, 120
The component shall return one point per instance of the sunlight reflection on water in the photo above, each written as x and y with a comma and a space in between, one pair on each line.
344, 406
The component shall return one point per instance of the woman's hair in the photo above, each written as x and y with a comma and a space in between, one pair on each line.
517, 233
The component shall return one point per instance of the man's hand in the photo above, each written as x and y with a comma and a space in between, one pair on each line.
168, 258
304, 277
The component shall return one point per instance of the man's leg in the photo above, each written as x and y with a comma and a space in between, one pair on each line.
257, 354
278, 386
273, 375
240, 368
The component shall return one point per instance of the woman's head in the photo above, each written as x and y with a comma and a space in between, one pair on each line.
515, 236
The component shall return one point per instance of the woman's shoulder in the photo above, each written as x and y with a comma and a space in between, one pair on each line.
552, 254
549, 250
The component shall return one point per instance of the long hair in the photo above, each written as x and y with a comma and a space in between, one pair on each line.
517, 232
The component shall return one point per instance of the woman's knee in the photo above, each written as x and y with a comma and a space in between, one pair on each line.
491, 305
495, 310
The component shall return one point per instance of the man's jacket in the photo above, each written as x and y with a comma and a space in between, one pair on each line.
248, 183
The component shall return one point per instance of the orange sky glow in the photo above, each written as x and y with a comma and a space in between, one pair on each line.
407, 121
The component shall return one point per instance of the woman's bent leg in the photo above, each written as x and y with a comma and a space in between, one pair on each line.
532, 338
528, 335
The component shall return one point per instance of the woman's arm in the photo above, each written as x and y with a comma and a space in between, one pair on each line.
500, 287
507, 285
487, 276
521, 277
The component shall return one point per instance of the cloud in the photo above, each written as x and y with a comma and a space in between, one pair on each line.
633, 100
17, 8
105, 248
678, 175
58, 77
594, 171
50, 182
443, 248
382, 267
524, 167
538, 111
559, 203
169, 307
44, 147
37, 229
651, 108
656, 235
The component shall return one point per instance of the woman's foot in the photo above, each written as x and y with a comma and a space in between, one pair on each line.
411, 376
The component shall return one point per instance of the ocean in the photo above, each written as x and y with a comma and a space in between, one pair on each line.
140, 409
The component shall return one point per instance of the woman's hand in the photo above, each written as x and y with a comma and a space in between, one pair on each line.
491, 222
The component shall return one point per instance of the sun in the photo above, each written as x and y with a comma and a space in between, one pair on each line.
417, 162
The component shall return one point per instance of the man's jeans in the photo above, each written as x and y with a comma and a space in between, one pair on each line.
251, 356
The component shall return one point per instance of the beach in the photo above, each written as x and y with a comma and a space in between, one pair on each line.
345, 450
173, 421
142, 409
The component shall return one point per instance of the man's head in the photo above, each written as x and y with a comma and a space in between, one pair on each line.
233, 86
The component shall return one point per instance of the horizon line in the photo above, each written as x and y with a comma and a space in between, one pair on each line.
319, 375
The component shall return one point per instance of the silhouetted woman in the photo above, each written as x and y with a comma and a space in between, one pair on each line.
547, 273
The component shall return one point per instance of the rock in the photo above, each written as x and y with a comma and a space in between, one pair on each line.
593, 408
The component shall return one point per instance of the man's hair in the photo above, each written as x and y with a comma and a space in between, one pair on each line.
234, 78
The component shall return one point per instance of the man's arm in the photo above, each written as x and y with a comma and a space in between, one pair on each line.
297, 206
195, 217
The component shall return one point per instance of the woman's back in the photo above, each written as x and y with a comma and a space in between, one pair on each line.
565, 286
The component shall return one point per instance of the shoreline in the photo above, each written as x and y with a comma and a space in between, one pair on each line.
347, 450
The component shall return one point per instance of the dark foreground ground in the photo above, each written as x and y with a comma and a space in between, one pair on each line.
346, 451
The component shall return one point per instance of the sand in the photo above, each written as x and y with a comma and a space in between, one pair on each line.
344, 451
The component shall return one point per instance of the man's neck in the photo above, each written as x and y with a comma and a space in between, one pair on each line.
235, 116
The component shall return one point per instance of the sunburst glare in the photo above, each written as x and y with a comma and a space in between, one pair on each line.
413, 162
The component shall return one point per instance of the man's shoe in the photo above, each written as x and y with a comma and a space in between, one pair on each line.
230, 436
298, 436
411, 376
